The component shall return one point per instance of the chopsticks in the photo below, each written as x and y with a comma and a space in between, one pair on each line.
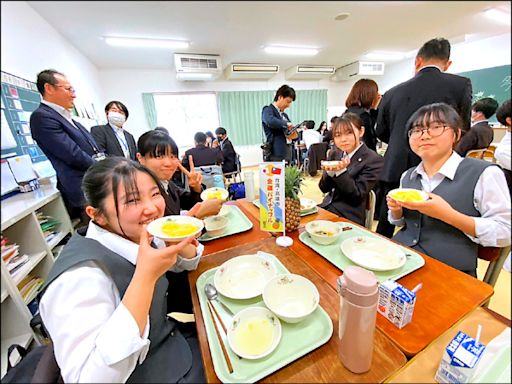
223, 347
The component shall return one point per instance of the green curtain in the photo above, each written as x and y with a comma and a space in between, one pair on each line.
149, 108
240, 112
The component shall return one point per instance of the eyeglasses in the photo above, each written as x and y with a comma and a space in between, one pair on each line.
433, 130
67, 88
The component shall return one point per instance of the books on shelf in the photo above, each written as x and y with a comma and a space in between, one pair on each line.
29, 286
49, 225
12, 257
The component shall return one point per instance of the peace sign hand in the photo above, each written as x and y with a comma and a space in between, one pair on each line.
194, 178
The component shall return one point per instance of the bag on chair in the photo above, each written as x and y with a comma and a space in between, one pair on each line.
236, 190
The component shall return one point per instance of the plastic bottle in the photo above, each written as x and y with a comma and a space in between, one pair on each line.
249, 185
359, 294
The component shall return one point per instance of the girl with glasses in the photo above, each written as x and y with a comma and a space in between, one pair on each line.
468, 200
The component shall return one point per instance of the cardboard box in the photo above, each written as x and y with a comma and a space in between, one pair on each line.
396, 303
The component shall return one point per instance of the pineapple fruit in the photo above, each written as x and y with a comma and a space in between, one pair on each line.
292, 184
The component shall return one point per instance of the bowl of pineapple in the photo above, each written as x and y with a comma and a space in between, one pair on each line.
408, 194
175, 228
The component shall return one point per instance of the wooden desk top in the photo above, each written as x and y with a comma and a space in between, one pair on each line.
423, 367
447, 296
320, 365
254, 234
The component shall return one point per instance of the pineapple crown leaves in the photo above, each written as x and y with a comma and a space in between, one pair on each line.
293, 179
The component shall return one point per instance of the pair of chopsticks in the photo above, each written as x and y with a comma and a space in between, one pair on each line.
219, 336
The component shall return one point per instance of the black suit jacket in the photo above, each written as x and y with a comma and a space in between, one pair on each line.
108, 143
430, 85
274, 127
480, 136
69, 149
348, 193
229, 154
178, 198
203, 155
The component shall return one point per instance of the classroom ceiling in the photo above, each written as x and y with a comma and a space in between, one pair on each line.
238, 30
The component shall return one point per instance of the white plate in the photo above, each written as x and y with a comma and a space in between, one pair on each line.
306, 204
372, 253
208, 193
423, 194
155, 227
243, 277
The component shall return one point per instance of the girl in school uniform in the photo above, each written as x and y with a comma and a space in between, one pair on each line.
468, 200
104, 302
349, 183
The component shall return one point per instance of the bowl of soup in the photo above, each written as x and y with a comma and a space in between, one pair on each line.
215, 225
323, 232
408, 194
175, 228
215, 193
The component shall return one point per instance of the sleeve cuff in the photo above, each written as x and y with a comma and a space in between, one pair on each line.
120, 337
396, 222
183, 264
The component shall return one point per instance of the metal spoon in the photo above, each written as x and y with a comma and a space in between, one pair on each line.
212, 294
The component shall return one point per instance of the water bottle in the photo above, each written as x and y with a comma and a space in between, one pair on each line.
249, 185
359, 294
218, 181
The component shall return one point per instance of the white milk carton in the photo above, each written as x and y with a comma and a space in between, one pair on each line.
460, 359
396, 303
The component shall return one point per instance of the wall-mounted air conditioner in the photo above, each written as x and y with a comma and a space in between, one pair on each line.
308, 72
249, 71
197, 67
358, 68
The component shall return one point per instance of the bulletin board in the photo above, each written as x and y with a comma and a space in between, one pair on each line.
19, 99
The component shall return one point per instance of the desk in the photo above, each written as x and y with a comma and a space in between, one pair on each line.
320, 365
447, 296
423, 367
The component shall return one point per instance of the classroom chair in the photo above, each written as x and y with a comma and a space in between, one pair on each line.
496, 257
483, 154
370, 210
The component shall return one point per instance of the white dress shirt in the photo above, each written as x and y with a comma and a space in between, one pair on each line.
311, 136
502, 152
65, 113
491, 199
95, 337
119, 132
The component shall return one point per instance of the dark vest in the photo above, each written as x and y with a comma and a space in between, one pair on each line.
436, 238
169, 357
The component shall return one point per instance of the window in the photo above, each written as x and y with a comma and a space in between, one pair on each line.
184, 114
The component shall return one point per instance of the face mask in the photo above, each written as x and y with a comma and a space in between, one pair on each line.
116, 118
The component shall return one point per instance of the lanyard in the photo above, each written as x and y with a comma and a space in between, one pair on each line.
125, 149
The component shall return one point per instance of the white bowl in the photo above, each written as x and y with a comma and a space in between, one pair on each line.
419, 195
215, 193
323, 232
306, 204
330, 165
157, 227
291, 297
254, 333
215, 225
224, 211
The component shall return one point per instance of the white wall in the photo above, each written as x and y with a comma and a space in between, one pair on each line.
30, 44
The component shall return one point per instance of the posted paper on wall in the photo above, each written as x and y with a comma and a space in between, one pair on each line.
272, 199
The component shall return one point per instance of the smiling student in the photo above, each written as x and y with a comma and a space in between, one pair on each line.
104, 301
468, 203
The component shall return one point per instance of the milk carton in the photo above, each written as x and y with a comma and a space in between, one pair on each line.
396, 303
460, 359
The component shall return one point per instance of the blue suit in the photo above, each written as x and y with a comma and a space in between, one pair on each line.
68, 148
275, 126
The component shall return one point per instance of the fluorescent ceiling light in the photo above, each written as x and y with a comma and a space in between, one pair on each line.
382, 55
145, 43
498, 15
281, 50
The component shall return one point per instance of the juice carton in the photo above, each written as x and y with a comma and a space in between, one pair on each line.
460, 359
396, 303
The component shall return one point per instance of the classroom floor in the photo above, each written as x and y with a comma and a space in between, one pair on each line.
500, 301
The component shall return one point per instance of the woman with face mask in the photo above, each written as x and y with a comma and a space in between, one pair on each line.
112, 138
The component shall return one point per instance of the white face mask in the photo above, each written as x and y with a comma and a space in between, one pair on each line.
116, 119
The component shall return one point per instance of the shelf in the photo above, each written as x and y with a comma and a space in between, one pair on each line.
4, 294
27, 268
32, 296
57, 239
23, 340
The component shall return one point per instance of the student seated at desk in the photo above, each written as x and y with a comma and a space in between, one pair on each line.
468, 203
348, 185
104, 302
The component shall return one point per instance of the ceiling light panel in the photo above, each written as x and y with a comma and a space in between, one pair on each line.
146, 43
498, 15
297, 51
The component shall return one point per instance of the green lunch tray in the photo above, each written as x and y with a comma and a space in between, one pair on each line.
334, 255
237, 222
296, 341
256, 202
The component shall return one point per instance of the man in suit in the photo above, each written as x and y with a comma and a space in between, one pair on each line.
111, 137
66, 143
429, 85
276, 123
202, 154
480, 135
228, 152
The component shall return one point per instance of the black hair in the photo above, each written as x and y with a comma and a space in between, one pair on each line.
440, 112
156, 143
285, 91
487, 106
333, 119
107, 176
438, 48
310, 124
220, 131
200, 138
320, 126
346, 123
47, 77
162, 129
119, 105
504, 111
